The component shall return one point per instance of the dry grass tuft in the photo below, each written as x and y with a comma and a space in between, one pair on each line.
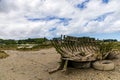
3, 55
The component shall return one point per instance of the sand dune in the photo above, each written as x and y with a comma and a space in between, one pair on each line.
34, 65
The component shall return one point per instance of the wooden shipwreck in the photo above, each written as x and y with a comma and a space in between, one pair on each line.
78, 49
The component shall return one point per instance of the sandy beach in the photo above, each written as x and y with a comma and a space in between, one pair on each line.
35, 65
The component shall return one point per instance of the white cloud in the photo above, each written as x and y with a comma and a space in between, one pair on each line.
15, 25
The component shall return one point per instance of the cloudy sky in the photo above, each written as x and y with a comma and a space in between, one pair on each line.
21, 19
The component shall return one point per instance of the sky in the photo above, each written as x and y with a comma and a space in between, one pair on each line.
21, 19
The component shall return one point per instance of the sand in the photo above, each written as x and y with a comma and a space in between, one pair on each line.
35, 65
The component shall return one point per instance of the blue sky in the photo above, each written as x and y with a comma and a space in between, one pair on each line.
20, 19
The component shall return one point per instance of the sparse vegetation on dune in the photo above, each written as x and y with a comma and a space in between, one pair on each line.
42, 46
40, 43
116, 45
8, 47
26, 44
3, 55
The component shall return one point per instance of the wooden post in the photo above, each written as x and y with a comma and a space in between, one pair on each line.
65, 65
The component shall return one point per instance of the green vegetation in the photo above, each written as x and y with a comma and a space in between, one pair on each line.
8, 47
104, 49
26, 44
9, 41
40, 43
109, 40
3, 55
32, 41
116, 45
25, 41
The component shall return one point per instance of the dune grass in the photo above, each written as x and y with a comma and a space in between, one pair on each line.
3, 55
116, 45
8, 47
